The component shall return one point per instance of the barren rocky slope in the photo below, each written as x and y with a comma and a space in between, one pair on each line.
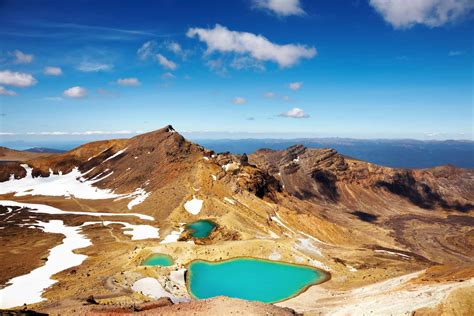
382, 233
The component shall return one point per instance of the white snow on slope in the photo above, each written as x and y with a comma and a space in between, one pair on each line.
118, 153
140, 194
138, 232
229, 200
28, 288
46, 209
173, 236
71, 184
193, 206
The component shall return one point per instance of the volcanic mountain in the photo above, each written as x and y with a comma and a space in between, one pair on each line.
392, 240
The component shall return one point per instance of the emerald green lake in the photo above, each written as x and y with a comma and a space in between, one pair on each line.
158, 259
201, 228
250, 279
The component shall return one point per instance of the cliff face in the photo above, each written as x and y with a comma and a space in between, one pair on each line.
325, 175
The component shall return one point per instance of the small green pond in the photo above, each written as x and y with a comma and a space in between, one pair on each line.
158, 259
201, 228
250, 279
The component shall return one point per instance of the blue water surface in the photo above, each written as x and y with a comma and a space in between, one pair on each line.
250, 279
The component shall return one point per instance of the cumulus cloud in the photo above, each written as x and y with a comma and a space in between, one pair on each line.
52, 71
269, 94
128, 82
295, 113
165, 62
87, 66
21, 58
433, 13
295, 85
280, 7
223, 40
239, 100
17, 79
75, 92
6, 92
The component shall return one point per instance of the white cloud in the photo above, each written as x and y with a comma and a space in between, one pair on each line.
75, 92
21, 58
128, 82
286, 98
17, 79
295, 85
295, 113
433, 13
146, 50
175, 48
246, 62
168, 75
239, 100
52, 71
165, 62
223, 40
280, 7
6, 92
87, 66
269, 94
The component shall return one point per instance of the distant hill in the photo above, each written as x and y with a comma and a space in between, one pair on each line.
44, 150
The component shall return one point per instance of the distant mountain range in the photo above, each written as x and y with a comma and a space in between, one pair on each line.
398, 153
403, 153
44, 150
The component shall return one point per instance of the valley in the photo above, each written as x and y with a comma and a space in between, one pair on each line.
385, 240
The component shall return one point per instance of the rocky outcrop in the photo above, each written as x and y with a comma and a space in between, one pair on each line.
323, 174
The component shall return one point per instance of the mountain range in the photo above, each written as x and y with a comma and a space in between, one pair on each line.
383, 234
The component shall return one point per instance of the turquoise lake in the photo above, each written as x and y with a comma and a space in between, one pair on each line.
201, 228
250, 279
158, 259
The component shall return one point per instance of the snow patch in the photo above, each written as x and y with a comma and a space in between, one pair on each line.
28, 288
140, 196
173, 236
118, 153
392, 253
70, 184
46, 209
193, 206
138, 232
229, 200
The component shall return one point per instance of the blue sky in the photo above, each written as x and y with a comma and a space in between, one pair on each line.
243, 68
